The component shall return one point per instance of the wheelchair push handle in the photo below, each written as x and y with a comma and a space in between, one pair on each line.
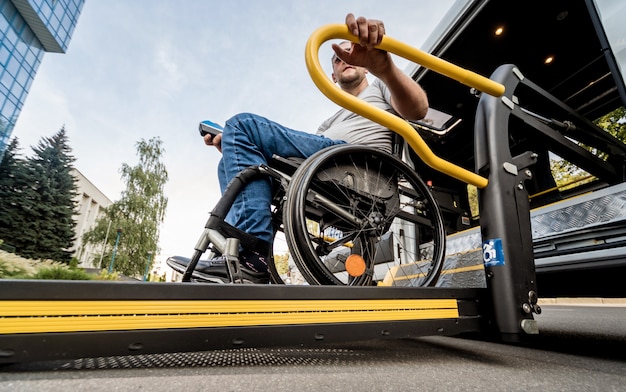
395, 123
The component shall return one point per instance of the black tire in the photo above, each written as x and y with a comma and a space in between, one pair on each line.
355, 200
281, 270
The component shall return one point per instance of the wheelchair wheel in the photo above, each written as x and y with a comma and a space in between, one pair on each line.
354, 215
281, 270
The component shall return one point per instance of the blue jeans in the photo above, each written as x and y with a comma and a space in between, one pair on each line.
250, 140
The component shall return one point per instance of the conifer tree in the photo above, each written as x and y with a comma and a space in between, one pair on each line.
54, 161
48, 201
16, 195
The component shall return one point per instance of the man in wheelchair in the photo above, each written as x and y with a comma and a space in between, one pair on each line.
249, 140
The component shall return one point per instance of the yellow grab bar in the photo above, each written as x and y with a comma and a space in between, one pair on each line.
391, 121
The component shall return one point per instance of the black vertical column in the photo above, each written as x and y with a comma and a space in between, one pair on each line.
505, 213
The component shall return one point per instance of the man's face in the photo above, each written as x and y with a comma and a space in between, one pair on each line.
344, 73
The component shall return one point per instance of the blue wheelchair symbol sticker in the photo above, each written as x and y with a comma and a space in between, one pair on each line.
493, 254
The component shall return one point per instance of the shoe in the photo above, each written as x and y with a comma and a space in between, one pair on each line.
214, 270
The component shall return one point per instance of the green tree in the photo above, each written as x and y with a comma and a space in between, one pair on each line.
614, 123
281, 261
138, 213
16, 194
568, 175
52, 228
38, 200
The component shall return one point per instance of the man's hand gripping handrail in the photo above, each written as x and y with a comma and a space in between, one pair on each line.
395, 123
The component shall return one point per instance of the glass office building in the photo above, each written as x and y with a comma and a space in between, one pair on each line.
28, 29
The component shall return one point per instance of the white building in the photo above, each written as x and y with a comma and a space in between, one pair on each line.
91, 204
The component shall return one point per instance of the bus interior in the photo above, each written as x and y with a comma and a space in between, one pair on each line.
571, 55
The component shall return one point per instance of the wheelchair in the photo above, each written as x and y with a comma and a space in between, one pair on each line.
347, 215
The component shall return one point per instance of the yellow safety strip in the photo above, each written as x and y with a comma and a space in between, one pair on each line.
477, 267
18, 317
395, 274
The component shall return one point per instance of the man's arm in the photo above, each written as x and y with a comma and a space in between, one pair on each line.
407, 97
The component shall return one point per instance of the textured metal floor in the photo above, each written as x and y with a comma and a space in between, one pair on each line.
350, 353
241, 357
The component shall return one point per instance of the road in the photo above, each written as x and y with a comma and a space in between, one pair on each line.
580, 348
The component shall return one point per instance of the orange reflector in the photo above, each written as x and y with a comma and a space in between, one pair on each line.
355, 265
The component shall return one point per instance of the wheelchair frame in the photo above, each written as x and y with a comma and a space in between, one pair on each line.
414, 213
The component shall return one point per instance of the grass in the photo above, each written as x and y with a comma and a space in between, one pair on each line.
13, 266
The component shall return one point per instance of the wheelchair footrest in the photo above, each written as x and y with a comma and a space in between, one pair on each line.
215, 271
246, 240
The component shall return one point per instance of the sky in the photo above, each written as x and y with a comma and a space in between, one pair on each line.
155, 68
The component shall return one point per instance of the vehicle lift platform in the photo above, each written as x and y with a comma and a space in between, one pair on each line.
47, 320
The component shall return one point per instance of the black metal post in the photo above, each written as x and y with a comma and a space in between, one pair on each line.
505, 213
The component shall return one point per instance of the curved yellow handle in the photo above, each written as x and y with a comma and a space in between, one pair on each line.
393, 122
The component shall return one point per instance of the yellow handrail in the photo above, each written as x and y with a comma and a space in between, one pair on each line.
395, 123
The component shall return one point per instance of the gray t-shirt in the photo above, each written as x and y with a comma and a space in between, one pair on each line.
352, 128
